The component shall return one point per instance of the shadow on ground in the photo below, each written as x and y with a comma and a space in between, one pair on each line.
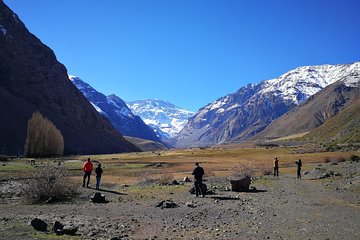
108, 191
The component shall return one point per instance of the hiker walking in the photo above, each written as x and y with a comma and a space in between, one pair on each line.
87, 168
299, 165
98, 172
276, 167
198, 174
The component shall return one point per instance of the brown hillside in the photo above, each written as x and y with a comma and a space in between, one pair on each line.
146, 145
342, 128
313, 113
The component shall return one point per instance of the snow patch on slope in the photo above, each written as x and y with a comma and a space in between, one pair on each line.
303, 81
166, 119
3, 30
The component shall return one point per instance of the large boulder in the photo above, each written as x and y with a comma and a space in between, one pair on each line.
241, 184
70, 230
97, 197
39, 224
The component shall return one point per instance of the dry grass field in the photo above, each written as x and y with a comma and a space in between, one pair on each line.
132, 184
131, 168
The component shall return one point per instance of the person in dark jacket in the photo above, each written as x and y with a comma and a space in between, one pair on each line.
276, 167
98, 172
87, 168
198, 174
299, 165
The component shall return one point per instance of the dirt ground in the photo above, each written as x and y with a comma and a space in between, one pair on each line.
325, 204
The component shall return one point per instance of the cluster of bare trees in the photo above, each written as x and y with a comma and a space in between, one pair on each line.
43, 138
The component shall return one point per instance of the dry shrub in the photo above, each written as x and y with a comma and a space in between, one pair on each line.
152, 176
326, 160
164, 178
354, 158
244, 168
149, 176
209, 173
334, 159
338, 159
266, 172
48, 182
4, 158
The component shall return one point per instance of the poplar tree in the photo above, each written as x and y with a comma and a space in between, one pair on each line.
43, 139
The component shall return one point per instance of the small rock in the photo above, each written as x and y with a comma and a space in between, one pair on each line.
58, 227
186, 179
39, 224
70, 230
190, 204
51, 200
166, 204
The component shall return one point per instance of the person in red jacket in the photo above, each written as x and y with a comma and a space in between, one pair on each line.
87, 168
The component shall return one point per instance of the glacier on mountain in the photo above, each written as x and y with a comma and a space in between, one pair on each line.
163, 117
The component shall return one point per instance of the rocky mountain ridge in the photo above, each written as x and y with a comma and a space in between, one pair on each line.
241, 115
116, 111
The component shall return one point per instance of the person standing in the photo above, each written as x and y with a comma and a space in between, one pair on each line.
198, 174
276, 167
87, 168
299, 165
98, 172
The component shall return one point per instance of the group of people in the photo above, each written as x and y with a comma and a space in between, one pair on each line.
198, 173
87, 169
298, 168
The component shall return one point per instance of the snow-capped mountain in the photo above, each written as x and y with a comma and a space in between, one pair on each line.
116, 111
317, 110
164, 118
247, 112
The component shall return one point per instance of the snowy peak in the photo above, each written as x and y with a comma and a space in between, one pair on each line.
100, 101
245, 113
299, 84
85, 88
294, 87
164, 117
116, 111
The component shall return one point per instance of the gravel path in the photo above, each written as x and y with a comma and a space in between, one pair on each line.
283, 208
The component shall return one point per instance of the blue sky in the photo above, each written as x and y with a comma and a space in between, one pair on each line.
191, 52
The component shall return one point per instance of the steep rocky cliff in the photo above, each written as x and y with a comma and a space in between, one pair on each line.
31, 79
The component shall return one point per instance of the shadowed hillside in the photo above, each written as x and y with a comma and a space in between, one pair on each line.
31, 79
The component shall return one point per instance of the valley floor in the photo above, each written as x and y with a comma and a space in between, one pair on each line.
281, 208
